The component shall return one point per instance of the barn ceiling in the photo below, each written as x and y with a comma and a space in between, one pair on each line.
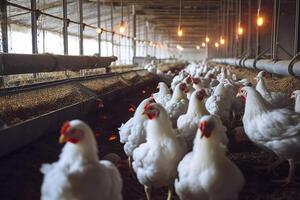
159, 18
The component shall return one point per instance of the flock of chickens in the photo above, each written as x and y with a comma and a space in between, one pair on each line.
178, 140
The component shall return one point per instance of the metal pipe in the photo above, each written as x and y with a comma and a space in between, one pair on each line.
282, 67
99, 26
65, 26
33, 63
4, 23
34, 18
81, 28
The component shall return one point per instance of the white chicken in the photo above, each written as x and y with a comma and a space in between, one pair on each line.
155, 161
204, 172
276, 129
178, 79
178, 104
78, 174
133, 132
277, 99
221, 101
163, 95
187, 124
296, 95
189, 83
197, 85
209, 80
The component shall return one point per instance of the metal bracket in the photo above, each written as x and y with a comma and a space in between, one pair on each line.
291, 64
259, 56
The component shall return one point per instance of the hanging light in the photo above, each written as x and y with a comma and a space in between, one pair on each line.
240, 31
179, 32
207, 39
99, 30
197, 47
260, 21
203, 44
217, 45
122, 27
179, 47
222, 40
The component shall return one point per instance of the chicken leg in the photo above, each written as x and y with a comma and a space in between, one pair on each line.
148, 192
291, 176
130, 166
170, 192
270, 168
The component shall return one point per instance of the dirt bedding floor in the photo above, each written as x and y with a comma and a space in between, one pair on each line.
20, 177
286, 84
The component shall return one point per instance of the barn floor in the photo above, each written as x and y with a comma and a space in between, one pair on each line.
20, 177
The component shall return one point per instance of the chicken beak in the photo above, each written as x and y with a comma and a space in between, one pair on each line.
144, 112
239, 94
62, 139
292, 96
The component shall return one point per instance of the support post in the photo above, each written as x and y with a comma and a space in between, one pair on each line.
258, 47
65, 26
227, 29
34, 18
297, 24
275, 25
4, 33
81, 28
146, 37
112, 27
129, 34
134, 31
99, 26
249, 47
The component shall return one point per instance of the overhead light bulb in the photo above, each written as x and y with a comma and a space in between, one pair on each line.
222, 41
203, 44
99, 30
197, 47
240, 31
179, 32
122, 27
207, 39
216, 44
260, 21
179, 47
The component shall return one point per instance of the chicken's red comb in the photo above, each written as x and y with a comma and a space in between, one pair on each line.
189, 80
65, 127
182, 86
201, 94
196, 80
